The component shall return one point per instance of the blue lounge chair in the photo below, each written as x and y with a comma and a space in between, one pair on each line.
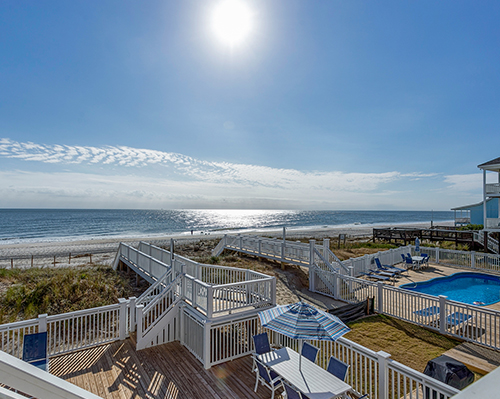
338, 368
428, 312
376, 276
383, 273
35, 350
309, 352
388, 268
457, 320
267, 378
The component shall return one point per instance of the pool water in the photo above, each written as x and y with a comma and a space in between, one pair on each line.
471, 288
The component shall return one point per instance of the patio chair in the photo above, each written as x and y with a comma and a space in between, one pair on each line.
428, 316
457, 320
267, 378
338, 368
376, 276
290, 393
383, 273
309, 352
404, 258
409, 262
261, 344
35, 350
388, 268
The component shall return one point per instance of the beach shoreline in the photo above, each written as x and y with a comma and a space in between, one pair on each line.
111, 244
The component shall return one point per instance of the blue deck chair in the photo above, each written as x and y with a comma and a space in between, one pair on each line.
35, 350
292, 393
457, 320
338, 368
267, 378
383, 273
409, 262
309, 352
404, 258
261, 344
388, 268
428, 312
376, 276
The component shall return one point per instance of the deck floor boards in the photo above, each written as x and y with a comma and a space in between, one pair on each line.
170, 371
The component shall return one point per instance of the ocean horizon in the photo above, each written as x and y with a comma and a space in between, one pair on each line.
49, 225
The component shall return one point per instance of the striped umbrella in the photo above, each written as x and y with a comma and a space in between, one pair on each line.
303, 322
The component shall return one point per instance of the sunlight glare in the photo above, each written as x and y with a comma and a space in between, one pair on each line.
232, 21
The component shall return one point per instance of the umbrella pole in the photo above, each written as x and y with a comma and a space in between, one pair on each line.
300, 354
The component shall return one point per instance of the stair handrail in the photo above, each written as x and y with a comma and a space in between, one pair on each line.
162, 283
329, 251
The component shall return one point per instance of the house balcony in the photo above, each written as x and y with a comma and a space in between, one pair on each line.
493, 189
460, 221
493, 224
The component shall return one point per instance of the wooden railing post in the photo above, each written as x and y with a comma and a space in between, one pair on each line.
122, 323
380, 289
442, 313
138, 317
383, 374
273, 291
42, 322
132, 305
207, 345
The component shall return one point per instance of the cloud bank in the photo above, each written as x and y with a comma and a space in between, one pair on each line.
121, 176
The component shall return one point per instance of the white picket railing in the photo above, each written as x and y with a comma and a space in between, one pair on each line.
370, 372
71, 331
33, 382
296, 253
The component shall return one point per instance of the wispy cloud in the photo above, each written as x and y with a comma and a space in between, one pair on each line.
199, 170
465, 183
148, 178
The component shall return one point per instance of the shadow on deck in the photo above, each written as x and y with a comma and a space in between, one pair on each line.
167, 371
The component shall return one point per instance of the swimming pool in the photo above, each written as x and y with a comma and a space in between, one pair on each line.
471, 288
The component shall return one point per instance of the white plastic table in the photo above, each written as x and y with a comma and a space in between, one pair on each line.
417, 259
311, 379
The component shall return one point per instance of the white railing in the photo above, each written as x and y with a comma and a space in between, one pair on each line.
147, 266
493, 223
370, 372
71, 331
297, 253
148, 316
482, 324
492, 188
155, 289
30, 380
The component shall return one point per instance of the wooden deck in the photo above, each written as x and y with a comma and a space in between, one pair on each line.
167, 371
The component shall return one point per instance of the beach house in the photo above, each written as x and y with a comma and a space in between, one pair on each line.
474, 213
491, 191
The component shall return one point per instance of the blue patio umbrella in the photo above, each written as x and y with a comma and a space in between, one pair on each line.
417, 245
303, 322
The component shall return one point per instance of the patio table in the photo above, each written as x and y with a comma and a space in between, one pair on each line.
311, 379
417, 259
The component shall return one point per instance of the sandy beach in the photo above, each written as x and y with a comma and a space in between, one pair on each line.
103, 250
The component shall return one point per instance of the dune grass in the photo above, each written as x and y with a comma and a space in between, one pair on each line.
26, 293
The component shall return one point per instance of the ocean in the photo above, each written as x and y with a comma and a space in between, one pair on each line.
48, 225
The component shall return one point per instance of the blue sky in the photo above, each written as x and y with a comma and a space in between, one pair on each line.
324, 105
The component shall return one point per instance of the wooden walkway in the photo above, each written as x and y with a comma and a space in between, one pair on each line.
167, 371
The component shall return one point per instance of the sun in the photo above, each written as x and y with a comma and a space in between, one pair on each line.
232, 21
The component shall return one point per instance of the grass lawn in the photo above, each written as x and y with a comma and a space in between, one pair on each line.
408, 344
